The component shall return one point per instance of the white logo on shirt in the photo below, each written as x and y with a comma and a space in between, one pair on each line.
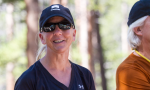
55, 7
81, 86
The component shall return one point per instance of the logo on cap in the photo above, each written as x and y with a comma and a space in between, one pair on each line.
55, 7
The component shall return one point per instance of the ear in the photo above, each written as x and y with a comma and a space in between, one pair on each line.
138, 31
74, 34
42, 38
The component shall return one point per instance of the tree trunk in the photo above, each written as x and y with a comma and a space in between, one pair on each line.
62, 2
55, 2
90, 45
9, 76
81, 25
9, 21
124, 28
98, 51
32, 25
9, 34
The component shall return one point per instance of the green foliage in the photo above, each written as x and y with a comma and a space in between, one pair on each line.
20, 6
14, 50
130, 2
10, 1
71, 2
110, 20
93, 5
75, 54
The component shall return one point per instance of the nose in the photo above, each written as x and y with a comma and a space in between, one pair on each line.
57, 31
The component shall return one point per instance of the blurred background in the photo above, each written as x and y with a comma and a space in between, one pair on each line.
101, 41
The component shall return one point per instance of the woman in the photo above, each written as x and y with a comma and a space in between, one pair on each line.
54, 71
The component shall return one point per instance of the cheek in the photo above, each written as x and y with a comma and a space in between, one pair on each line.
146, 30
48, 37
146, 33
68, 33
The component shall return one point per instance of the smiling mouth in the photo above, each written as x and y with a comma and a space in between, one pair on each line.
58, 41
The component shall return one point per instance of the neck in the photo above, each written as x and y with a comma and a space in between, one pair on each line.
58, 61
144, 50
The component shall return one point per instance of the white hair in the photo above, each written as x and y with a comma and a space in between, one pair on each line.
133, 39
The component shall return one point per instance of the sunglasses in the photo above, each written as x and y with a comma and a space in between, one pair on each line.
63, 25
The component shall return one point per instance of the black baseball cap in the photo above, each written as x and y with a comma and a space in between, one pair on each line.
140, 9
55, 10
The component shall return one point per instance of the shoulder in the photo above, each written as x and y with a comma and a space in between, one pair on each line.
131, 78
128, 66
130, 73
130, 62
28, 74
85, 75
81, 69
83, 72
133, 62
27, 79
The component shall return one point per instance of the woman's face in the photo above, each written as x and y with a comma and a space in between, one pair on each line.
58, 40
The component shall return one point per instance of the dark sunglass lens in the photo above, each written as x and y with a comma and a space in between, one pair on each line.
48, 27
64, 25
52, 27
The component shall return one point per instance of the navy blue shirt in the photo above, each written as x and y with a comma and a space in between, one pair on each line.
38, 78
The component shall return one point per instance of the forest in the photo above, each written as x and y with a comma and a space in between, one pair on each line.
100, 45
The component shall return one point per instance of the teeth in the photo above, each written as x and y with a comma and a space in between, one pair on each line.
58, 41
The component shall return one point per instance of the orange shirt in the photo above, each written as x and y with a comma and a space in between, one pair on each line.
133, 74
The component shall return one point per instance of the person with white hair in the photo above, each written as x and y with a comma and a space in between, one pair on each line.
134, 72
55, 71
